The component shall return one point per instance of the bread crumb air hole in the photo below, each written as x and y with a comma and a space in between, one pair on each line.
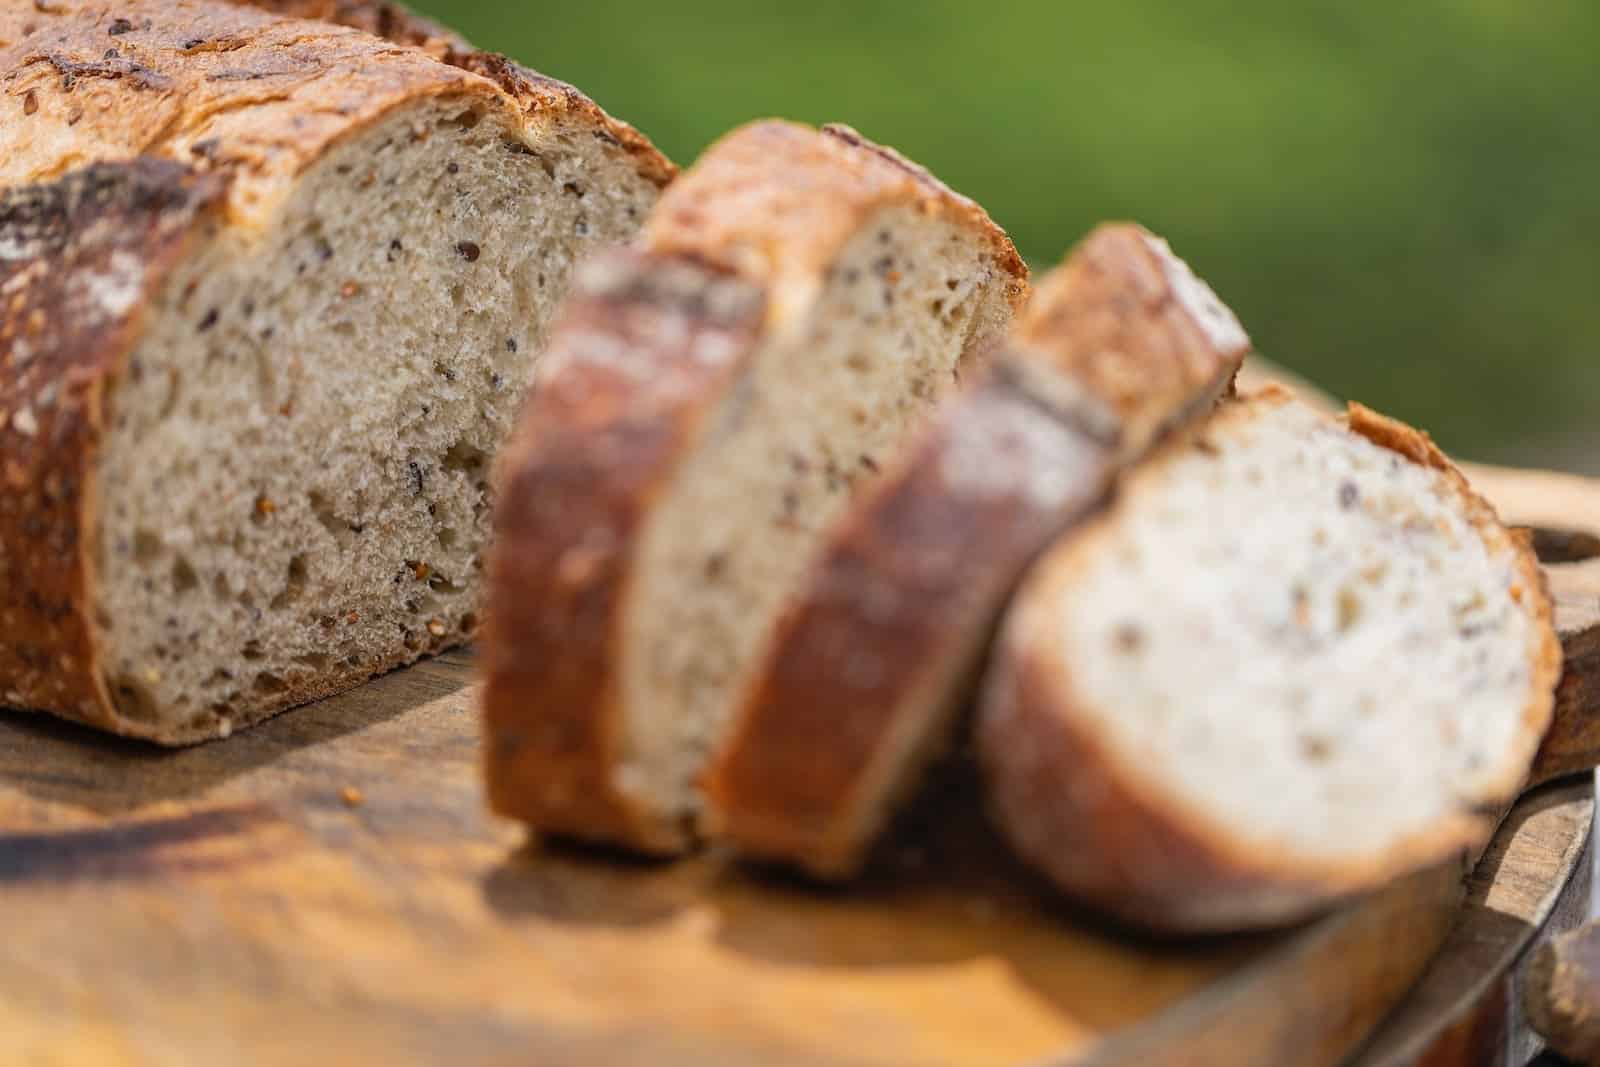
184, 579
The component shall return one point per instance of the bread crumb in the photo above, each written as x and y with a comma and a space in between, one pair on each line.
1349, 609
265, 506
352, 797
436, 627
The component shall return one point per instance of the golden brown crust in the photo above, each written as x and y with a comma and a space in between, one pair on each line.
210, 85
78, 260
537, 93
221, 87
1108, 833
643, 341
1127, 320
775, 200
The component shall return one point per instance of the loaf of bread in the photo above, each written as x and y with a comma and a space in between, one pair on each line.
862, 681
1297, 658
270, 291
801, 298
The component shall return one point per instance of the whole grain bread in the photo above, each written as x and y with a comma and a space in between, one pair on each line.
1297, 658
271, 290
799, 300
862, 682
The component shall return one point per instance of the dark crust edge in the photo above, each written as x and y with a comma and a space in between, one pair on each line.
602, 436
62, 341
364, 75
1107, 833
917, 573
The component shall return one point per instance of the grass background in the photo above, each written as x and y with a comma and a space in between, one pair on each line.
1400, 199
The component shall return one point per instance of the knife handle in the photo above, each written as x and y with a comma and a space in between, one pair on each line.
1561, 994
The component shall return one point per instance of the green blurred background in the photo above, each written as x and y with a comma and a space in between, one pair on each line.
1401, 198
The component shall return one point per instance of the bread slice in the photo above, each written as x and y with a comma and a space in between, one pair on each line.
802, 297
862, 681
271, 294
1299, 657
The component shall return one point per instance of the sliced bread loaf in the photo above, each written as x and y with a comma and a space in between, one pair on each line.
862, 680
255, 357
1298, 657
801, 298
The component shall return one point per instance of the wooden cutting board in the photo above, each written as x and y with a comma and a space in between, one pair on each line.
328, 888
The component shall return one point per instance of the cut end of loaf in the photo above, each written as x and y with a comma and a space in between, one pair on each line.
79, 257
294, 488
1298, 660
